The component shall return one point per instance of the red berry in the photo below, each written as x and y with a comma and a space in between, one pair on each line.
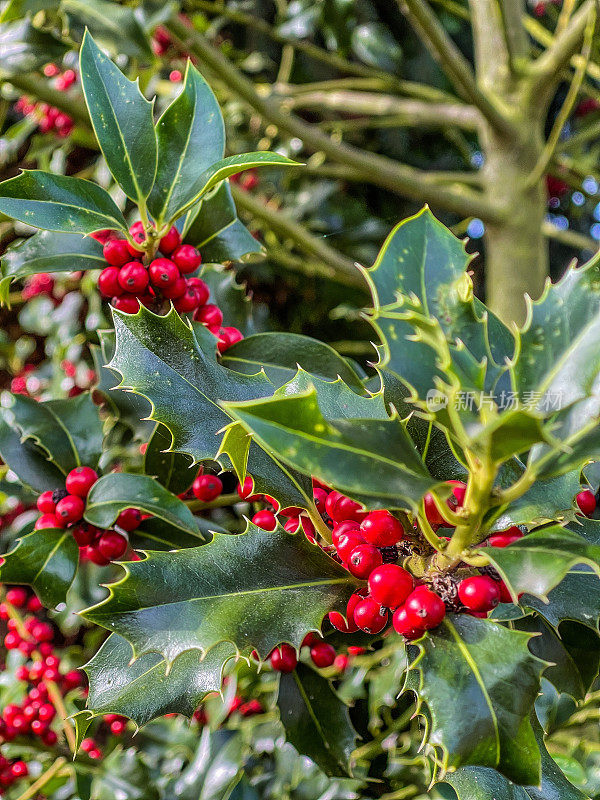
34, 604
116, 252
177, 289
84, 534
245, 491
363, 560
320, 496
133, 277
207, 487
505, 595
87, 745
95, 556
310, 639
170, 242
586, 502
95, 754
138, 234
427, 607
19, 769
346, 625
17, 597
228, 336
187, 258
340, 508
459, 489
188, 301
347, 542
322, 654
46, 712
341, 528
283, 658
127, 303
381, 528
163, 273
405, 624
108, 282
80, 480
117, 727
45, 503
293, 525
112, 545
504, 538
129, 519
210, 315
370, 616
479, 593
390, 585
49, 521
70, 508
49, 738
265, 519
201, 288
431, 511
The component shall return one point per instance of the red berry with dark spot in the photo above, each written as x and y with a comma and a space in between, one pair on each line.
70, 508
163, 273
390, 585
201, 288
45, 503
283, 658
176, 290
129, 519
188, 301
320, 496
187, 258
265, 519
459, 489
170, 242
108, 282
112, 545
381, 528
586, 502
363, 560
133, 277
116, 252
347, 542
80, 480
370, 616
209, 315
505, 538
322, 654
406, 625
427, 607
138, 235
479, 593
207, 487
228, 336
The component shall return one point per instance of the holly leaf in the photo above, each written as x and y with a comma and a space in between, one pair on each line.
29, 463
47, 561
70, 431
174, 471
214, 228
191, 138
476, 783
156, 534
114, 27
112, 493
122, 120
275, 588
59, 203
47, 251
143, 689
371, 459
26, 48
280, 355
465, 671
575, 598
316, 721
539, 561
236, 304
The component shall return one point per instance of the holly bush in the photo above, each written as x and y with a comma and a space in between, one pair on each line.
358, 581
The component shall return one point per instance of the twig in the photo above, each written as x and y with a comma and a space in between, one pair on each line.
564, 46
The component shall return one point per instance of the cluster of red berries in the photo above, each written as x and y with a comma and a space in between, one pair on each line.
127, 281
48, 117
41, 283
11, 771
322, 654
116, 725
64, 508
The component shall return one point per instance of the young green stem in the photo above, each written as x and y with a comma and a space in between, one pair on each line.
44, 778
477, 502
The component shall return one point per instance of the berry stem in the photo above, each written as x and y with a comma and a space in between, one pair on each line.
221, 501
317, 520
446, 512
427, 531
57, 701
44, 778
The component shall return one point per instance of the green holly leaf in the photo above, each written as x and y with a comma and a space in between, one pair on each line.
156, 534
275, 588
70, 431
144, 689
465, 671
59, 203
339, 437
575, 598
280, 355
116, 28
476, 783
220, 170
47, 251
174, 471
539, 561
215, 770
47, 561
191, 138
119, 490
26, 48
214, 228
29, 463
236, 304
122, 120
316, 721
